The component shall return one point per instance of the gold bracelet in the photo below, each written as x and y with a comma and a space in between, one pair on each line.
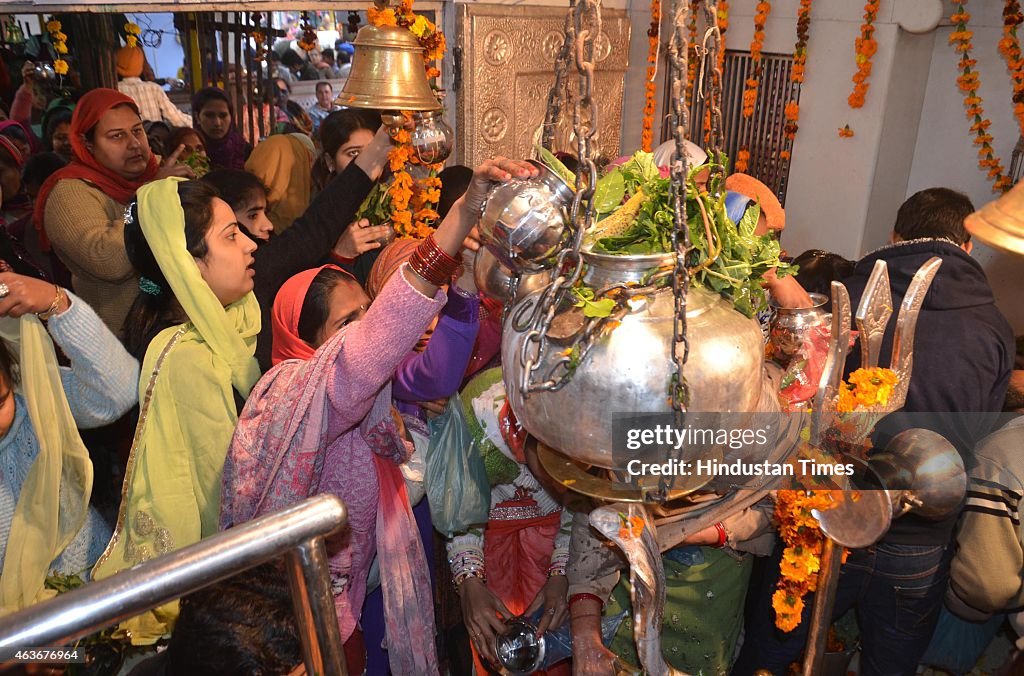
46, 314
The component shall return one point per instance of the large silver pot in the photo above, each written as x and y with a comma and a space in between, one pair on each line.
629, 370
496, 281
523, 220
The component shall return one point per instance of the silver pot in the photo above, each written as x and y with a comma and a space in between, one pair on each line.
629, 370
523, 221
496, 281
790, 327
432, 138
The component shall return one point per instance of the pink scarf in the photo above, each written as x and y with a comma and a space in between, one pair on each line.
289, 424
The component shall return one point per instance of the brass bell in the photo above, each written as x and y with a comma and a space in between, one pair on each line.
387, 72
1000, 223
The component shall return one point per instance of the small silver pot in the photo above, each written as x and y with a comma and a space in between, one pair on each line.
432, 138
790, 327
496, 281
524, 220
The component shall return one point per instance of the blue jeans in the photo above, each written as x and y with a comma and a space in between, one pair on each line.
897, 591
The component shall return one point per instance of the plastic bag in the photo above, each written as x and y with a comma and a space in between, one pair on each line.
455, 477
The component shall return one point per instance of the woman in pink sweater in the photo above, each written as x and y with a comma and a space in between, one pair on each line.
325, 424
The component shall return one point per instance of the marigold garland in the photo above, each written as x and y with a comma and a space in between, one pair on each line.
309, 40
801, 558
650, 86
866, 46
866, 388
131, 34
796, 76
969, 83
845, 132
1009, 47
60, 45
413, 204
742, 160
764, 8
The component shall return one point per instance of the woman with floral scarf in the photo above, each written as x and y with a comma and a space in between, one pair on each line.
322, 422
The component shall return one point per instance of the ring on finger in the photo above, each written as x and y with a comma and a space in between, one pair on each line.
4, 290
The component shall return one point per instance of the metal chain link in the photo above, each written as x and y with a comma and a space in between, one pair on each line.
678, 51
712, 49
585, 27
562, 61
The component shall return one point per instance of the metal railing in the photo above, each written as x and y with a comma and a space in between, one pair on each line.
297, 531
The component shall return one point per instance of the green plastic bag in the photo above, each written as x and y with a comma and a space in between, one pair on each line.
455, 477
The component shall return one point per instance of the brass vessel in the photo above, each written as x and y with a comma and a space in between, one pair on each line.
1000, 223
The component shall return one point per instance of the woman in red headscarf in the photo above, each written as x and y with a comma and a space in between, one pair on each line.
321, 421
80, 209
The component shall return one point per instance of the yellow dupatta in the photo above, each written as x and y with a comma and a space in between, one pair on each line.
171, 493
41, 529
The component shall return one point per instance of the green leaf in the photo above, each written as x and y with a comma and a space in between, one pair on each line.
610, 191
639, 172
591, 308
555, 165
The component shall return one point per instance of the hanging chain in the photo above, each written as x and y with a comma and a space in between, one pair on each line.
562, 61
581, 34
678, 51
712, 65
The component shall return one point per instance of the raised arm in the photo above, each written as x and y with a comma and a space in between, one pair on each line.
437, 372
374, 346
102, 383
313, 234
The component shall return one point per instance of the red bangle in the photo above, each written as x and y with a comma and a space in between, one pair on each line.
722, 536
433, 263
341, 259
431, 245
579, 597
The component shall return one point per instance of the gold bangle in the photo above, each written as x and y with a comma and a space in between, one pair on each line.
52, 310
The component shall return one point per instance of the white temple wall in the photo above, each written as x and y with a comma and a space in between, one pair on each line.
911, 133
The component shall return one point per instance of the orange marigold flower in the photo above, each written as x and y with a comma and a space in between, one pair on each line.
792, 110
633, 527
789, 606
382, 17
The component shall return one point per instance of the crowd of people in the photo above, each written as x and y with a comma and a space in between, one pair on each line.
227, 337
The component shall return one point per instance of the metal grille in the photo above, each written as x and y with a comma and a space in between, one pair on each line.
217, 38
762, 134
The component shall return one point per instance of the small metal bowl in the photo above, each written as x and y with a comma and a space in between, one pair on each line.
519, 649
495, 280
523, 221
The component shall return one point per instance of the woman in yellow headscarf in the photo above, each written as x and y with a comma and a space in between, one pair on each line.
200, 318
46, 523
284, 164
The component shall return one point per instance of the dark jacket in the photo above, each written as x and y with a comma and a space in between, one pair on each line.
963, 355
306, 244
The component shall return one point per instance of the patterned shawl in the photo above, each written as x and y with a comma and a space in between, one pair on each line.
300, 411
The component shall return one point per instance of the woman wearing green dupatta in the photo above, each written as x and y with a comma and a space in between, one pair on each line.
195, 264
